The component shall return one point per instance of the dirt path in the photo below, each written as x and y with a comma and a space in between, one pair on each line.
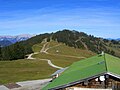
49, 61
45, 49
51, 64
30, 56
67, 56
27, 85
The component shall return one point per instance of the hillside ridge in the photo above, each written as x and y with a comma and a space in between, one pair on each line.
72, 38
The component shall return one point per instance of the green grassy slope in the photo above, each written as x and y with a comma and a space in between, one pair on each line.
21, 70
57, 60
66, 55
65, 50
37, 47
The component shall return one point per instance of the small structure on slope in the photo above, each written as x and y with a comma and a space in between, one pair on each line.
100, 71
58, 73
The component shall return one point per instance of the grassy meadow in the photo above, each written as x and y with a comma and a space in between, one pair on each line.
22, 70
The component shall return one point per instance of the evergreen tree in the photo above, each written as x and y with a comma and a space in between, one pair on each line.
6, 54
19, 51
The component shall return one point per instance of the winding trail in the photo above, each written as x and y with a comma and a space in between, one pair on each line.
51, 64
45, 49
30, 56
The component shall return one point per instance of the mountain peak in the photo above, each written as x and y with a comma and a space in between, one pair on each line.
14, 39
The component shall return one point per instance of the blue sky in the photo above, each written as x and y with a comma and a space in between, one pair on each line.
97, 17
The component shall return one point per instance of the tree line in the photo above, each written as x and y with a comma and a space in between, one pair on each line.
70, 38
20, 49
76, 39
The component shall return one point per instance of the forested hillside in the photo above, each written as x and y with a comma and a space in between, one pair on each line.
5, 43
83, 41
71, 38
20, 49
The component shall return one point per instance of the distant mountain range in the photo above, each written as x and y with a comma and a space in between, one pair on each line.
8, 40
118, 39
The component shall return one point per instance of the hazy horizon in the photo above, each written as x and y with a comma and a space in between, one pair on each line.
54, 32
96, 17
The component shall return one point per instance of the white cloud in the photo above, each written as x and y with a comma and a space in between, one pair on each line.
49, 18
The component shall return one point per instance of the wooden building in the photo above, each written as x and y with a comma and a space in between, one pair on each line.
97, 72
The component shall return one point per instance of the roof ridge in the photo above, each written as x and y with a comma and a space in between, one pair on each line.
105, 62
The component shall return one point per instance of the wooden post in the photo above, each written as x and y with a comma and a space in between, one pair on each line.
106, 80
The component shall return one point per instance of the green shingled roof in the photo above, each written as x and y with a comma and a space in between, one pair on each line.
87, 68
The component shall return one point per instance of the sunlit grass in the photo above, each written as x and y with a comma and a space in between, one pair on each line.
21, 70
